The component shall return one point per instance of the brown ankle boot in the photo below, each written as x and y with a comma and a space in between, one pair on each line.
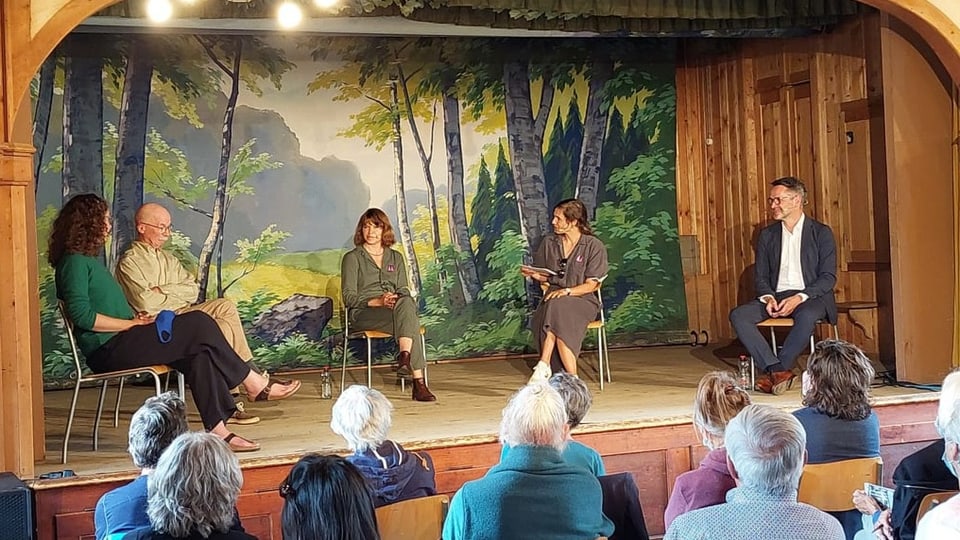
421, 392
403, 364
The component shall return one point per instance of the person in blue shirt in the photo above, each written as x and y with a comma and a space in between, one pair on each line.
577, 399
155, 425
533, 492
837, 416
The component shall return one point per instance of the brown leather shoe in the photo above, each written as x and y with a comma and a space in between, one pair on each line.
421, 392
781, 381
242, 417
764, 384
403, 364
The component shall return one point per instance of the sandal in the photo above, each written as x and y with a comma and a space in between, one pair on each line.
264, 394
239, 448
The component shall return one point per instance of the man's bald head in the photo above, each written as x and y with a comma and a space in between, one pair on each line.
153, 225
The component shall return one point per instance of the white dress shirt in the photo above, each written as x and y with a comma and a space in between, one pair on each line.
790, 277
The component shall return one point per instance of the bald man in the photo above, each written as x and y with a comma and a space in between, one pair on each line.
154, 280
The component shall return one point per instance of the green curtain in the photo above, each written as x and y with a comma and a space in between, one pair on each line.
748, 18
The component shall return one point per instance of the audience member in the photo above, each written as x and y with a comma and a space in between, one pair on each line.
837, 416
532, 492
577, 399
718, 400
919, 474
765, 454
326, 498
155, 425
361, 416
193, 492
943, 522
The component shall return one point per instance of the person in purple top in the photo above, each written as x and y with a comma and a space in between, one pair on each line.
718, 400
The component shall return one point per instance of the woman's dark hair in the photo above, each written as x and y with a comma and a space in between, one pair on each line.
380, 219
79, 228
840, 375
326, 498
574, 210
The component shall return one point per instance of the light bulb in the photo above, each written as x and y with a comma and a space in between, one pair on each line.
289, 14
325, 4
159, 10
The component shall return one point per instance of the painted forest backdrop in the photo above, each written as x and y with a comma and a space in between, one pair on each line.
267, 149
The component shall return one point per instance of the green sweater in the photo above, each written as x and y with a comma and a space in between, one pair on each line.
87, 288
361, 279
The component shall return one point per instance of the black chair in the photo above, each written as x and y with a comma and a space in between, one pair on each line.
621, 504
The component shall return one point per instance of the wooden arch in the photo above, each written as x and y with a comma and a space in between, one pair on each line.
29, 31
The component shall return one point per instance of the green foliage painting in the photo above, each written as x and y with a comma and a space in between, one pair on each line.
267, 149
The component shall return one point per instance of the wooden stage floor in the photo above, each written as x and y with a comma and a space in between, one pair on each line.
651, 386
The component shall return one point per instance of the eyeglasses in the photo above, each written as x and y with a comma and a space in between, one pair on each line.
780, 200
563, 267
161, 228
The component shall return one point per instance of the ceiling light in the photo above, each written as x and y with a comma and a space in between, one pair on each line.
326, 4
289, 14
159, 10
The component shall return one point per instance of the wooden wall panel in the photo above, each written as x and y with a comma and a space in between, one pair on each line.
769, 108
654, 455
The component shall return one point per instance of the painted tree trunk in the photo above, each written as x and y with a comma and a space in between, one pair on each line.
403, 221
131, 146
526, 161
41, 114
83, 126
424, 161
466, 265
594, 131
223, 175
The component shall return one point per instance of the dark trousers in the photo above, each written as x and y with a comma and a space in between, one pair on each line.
745, 318
401, 321
197, 349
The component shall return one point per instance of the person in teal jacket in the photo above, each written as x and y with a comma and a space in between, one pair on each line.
533, 492
375, 290
113, 338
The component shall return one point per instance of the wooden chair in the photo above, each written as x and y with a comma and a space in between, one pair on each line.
931, 500
104, 378
830, 486
787, 322
415, 519
371, 335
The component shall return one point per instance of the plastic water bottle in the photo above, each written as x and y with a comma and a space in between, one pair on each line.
746, 373
326, 384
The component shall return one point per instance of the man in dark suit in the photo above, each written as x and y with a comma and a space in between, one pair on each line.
795, 272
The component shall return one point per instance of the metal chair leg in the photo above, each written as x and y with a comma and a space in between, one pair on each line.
116, 407
600, 354
343, 366
369, 363
96, 420
182, 387
73, 410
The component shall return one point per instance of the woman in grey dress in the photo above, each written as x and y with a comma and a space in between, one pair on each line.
579, 261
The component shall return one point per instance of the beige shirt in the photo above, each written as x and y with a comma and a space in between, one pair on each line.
143, 267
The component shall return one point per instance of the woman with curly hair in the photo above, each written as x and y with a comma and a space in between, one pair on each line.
112, 337
837, 416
